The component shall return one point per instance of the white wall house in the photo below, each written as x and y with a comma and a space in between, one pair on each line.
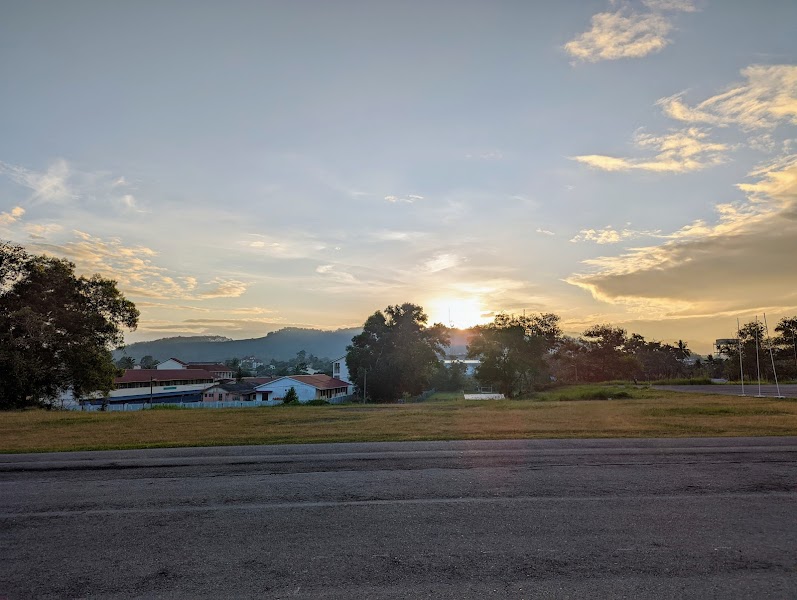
171, 365
340, 370
308, 387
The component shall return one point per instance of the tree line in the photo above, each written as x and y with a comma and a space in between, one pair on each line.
398, 355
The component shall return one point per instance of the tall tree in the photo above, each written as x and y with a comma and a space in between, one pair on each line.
56, 330
395, 353
512, 350
787, 340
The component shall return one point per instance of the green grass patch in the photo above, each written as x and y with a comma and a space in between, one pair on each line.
590, 392
564, 412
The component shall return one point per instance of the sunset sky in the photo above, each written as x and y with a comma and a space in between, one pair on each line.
240, 167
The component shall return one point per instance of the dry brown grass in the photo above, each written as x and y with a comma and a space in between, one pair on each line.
657, 414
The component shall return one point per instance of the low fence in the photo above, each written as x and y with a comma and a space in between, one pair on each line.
133, 406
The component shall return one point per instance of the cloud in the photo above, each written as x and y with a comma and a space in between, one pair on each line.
389, 235
222, 288
609, 235
545, 231
767, 97
12, 216
49, 186
134, 270
620, 35
744, 261
333, 273
290, 244
41, 231
627, 33
680, 151
441, 262
409, 198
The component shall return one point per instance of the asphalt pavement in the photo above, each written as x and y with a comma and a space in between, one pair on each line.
680, 518
765, 390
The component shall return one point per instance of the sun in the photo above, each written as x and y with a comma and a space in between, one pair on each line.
457, 312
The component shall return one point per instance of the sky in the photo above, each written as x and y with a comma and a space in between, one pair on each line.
240, 167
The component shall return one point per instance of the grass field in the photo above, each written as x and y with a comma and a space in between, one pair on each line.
571, 412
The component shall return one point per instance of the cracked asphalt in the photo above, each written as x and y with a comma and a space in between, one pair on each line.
678, 518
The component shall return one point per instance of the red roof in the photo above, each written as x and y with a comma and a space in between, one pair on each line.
140, 375
258, 380
319, 381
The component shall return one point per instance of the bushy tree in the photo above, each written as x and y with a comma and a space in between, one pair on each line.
126, 362
513, 349
148, 362
396, 353
607, 357
449, 378
56, 330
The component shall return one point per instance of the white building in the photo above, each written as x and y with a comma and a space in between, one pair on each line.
340, 370
308, 387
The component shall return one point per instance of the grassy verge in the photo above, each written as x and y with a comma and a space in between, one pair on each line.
570, 412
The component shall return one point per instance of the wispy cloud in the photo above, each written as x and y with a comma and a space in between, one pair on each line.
12, 216
41, 231
48, 186
627, 33
680, 151
409, 198
134, 269
545, 231
767, 97
610, 235
441, 262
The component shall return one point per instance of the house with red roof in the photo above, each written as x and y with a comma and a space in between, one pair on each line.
308, 387
219, 371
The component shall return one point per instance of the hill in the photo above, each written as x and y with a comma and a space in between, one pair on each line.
279, 345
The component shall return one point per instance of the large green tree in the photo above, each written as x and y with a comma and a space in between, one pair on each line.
396, 353
57, 330
513, 351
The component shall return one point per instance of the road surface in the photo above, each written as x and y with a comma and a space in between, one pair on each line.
788, 390
688, 518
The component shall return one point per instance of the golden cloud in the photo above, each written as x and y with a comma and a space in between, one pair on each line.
768, 96
12, 216
680, 151
744, 261
132, 267
620, 35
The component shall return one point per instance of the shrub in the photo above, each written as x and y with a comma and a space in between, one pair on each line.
291, 397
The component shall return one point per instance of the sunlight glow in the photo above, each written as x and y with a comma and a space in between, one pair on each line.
457, 312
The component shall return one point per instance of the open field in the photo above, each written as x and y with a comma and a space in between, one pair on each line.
559, 414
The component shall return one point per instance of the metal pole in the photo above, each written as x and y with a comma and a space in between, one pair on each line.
757, 361
739, 344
